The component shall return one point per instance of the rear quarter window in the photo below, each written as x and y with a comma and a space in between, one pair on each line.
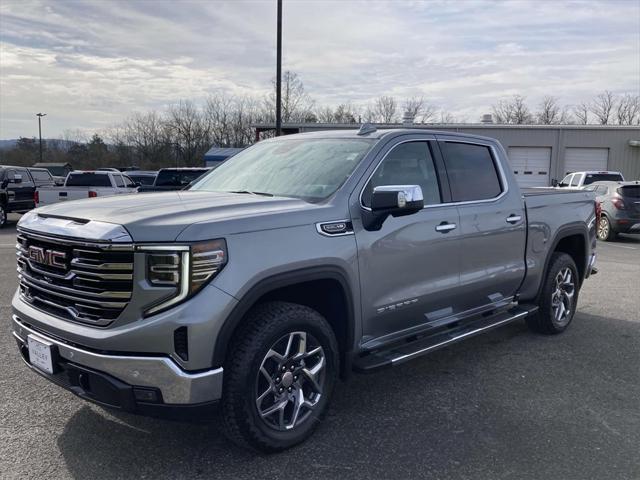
472, 171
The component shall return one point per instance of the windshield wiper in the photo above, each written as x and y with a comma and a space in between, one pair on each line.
264, 194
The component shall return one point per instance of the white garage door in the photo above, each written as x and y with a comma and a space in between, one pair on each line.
531, 165
581, 159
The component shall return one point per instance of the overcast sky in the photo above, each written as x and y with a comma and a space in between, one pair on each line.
90, 64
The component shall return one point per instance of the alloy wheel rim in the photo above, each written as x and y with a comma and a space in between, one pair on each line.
562, 296
603, 228
290, 381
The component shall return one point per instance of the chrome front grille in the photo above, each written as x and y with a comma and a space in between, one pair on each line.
80, 281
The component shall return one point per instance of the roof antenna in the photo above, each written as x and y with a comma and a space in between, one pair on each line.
366, 129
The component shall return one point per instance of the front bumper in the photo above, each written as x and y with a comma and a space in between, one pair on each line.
121, 380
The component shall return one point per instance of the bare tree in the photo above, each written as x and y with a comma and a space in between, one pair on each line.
297, 104
383, 110
602, 107
512, 111
581, 112
551, 112
421, 110
628, 110
189, 131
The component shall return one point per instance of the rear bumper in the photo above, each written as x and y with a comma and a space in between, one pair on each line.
132, 383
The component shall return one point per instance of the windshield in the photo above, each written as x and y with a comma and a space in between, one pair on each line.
177, 178
58, 171
602, 177
310, 169
88, 179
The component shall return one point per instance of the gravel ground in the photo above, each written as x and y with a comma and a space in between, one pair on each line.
509, 404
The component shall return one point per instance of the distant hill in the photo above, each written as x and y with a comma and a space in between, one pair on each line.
6, 144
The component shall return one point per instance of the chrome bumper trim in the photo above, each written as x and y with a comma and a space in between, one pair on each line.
176, 385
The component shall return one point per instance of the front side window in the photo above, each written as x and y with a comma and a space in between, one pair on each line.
407, 164
472, 172
311, 169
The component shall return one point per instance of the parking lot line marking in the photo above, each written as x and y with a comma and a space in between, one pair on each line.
623, 246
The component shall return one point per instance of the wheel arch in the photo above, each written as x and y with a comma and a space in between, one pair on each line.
572, 239
331, 296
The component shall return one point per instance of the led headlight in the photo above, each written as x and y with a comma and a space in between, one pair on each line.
187, 268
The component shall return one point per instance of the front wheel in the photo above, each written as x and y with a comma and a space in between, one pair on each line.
559, 297
279, 376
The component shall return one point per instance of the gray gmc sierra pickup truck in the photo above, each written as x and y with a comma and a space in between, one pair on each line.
299, 260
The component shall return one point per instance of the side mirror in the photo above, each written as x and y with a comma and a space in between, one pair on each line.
394, 200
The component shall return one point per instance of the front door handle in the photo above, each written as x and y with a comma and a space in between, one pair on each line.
445, 227
513, 219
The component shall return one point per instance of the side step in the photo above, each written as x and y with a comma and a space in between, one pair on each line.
400, 353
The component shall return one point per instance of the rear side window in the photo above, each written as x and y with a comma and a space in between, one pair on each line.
118, 180
472, 171
407, 164
40, 175
576, 180
88, 179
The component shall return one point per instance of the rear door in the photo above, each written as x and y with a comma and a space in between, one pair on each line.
408, 268
492, 230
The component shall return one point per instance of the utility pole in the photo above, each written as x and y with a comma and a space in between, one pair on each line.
279, 72
40, 115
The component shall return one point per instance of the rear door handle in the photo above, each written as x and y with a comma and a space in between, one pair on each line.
445, 227
513, 219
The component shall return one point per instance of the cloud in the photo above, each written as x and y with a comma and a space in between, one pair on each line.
91, 64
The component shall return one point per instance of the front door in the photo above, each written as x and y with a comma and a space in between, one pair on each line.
409, 268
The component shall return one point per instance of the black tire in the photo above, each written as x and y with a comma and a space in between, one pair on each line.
604, 230
3, 215
545, 319
265, 325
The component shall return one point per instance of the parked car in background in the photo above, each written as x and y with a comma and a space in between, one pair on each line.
87, 184
17, 191
144, 178
300, 259
42, 177
620, 204
582, 179
59, 170
174, 179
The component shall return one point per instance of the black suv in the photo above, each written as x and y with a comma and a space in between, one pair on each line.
17, 191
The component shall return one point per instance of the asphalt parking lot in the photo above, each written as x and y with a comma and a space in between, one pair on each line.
509, 404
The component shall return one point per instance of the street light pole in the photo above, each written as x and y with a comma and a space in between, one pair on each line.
279, 72
40, 115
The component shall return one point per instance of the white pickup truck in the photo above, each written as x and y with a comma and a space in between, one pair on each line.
81, 184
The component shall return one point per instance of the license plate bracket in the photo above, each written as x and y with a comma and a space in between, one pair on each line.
42, 354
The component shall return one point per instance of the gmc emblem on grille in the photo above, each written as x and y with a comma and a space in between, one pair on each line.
52, 258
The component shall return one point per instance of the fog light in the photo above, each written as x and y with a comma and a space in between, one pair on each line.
147, 395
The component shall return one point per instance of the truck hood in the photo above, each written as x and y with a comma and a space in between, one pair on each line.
188, 215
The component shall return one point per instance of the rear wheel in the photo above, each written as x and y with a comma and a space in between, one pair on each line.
559, 296
3, 215
604, 231
279, 377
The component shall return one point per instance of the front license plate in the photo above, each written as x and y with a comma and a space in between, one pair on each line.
40, 354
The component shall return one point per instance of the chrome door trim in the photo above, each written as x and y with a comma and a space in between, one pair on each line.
513, 219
